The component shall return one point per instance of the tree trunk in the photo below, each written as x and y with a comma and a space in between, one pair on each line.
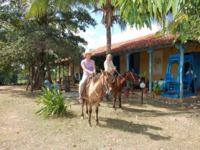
31, 76
108, 40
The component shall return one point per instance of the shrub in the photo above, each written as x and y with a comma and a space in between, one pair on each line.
156, 90
53, 103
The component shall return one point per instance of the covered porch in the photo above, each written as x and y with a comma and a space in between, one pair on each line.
152, 55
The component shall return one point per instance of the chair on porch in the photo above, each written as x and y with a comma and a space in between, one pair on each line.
170, 83
173, 88
187, 81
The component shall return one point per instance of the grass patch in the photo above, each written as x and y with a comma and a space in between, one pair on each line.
149, 126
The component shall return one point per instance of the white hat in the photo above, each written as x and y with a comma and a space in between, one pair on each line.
88, 52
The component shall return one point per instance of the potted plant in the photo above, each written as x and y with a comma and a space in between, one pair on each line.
131, 85
126, 92
143, 76
156, 89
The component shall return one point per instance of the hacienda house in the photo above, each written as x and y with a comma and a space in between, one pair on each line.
152, 55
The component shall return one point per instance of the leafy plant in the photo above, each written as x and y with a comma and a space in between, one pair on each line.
156, 89
130, 83
143, 75
53, 103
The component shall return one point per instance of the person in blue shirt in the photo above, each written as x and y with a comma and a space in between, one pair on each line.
48, 82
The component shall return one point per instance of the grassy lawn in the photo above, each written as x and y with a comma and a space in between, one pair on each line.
150, 126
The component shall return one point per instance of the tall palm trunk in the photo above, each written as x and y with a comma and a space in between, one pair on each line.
108, 32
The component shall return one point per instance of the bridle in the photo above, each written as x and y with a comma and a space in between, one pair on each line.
125, 78
105, 85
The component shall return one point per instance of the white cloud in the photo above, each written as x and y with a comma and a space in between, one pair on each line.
87, 32
91, 43
128, 35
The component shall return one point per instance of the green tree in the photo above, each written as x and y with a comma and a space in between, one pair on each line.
185, 24
38, 42
109, 8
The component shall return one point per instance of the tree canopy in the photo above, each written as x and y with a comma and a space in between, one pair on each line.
38, 42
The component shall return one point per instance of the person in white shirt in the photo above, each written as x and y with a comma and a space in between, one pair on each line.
193, 76
108, 66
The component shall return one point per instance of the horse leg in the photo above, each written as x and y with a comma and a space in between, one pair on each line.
86, 103
90, 112
82, 105
119, 96
97, 110
114, 100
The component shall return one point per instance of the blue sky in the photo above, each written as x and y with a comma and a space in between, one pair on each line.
96, 37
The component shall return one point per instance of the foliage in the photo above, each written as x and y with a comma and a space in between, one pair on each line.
143, 75
38, 42
185, 25
130, 83
99, 62
109, 9
53, 103
139, 13
156, 89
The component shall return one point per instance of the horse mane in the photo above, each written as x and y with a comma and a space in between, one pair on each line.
96, 77
124, 75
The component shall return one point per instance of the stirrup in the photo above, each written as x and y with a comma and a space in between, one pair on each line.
80, 100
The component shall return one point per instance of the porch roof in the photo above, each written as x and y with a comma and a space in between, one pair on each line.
139, 44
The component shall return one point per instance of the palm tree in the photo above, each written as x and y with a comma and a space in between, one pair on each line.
37, 8
110, 16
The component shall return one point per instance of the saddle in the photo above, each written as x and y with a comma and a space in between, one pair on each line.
89, 80
87, 83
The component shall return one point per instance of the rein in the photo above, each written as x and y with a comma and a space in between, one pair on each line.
125, 78
95, 89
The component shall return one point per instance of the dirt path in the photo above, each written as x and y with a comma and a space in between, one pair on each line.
151, 126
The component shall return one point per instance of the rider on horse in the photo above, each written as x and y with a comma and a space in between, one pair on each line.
88, 66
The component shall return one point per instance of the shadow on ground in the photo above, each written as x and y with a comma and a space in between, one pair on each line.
126, 126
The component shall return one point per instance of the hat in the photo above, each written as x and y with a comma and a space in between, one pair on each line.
88, 52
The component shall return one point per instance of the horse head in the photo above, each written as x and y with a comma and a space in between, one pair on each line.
133, 77
107, 81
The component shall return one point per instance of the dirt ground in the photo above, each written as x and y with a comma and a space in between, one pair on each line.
151, 126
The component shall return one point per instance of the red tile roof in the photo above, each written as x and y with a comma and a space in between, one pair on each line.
138, 43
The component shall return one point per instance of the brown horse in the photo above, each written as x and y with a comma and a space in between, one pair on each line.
119, 83
93, 93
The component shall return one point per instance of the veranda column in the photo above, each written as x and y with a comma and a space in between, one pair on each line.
150, 70
68, 70
63, 72
181, 48
72, 70
128, 64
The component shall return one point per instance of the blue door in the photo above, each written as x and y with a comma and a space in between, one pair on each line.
116, 62
135, 62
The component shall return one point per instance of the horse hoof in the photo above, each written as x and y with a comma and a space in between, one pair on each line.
89, 125
121, 108
114, 108
81, 118
97, 124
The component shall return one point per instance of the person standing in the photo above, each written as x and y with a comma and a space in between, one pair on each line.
193, 77
88, 66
